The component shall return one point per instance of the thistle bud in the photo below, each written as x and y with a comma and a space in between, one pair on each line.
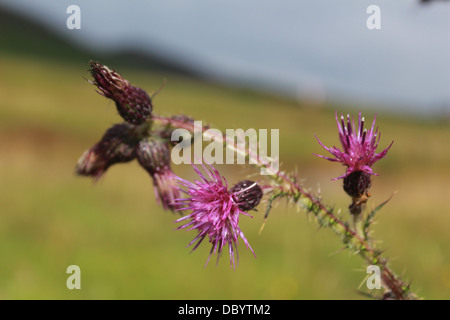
357, 183
154, 156
132, 103
117, 145
247, 194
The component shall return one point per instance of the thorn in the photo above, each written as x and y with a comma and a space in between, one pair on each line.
364, 280
336, 252
262, 227
159, 90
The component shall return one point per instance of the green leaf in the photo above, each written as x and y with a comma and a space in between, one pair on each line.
371, 216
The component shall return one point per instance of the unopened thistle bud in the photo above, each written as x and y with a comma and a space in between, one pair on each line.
117, 145
133, 103
248, 194
154, 156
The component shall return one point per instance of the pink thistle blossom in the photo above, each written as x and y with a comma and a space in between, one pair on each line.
216, 210
359, 146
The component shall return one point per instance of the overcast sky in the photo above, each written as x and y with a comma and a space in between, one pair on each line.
320, 49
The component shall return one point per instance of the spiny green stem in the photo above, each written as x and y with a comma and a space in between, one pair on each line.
289, 187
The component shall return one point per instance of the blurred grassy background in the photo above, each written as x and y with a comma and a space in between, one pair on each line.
128, 248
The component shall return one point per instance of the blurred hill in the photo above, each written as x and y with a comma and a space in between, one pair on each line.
22, 36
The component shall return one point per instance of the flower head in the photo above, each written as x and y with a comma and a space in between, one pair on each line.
154, 156
133, 103
358, 146
216, 211
117, 145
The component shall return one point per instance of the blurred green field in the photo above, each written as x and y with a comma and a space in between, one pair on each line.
128, 248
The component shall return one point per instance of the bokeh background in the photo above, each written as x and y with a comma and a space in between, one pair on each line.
234, 64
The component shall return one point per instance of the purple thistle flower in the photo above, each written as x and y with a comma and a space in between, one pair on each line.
154, 156
216, 210
132, 103
358, 145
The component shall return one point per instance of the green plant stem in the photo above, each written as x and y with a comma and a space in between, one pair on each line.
288, 186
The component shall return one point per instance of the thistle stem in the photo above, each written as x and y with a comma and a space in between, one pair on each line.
288, 186
357, 224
